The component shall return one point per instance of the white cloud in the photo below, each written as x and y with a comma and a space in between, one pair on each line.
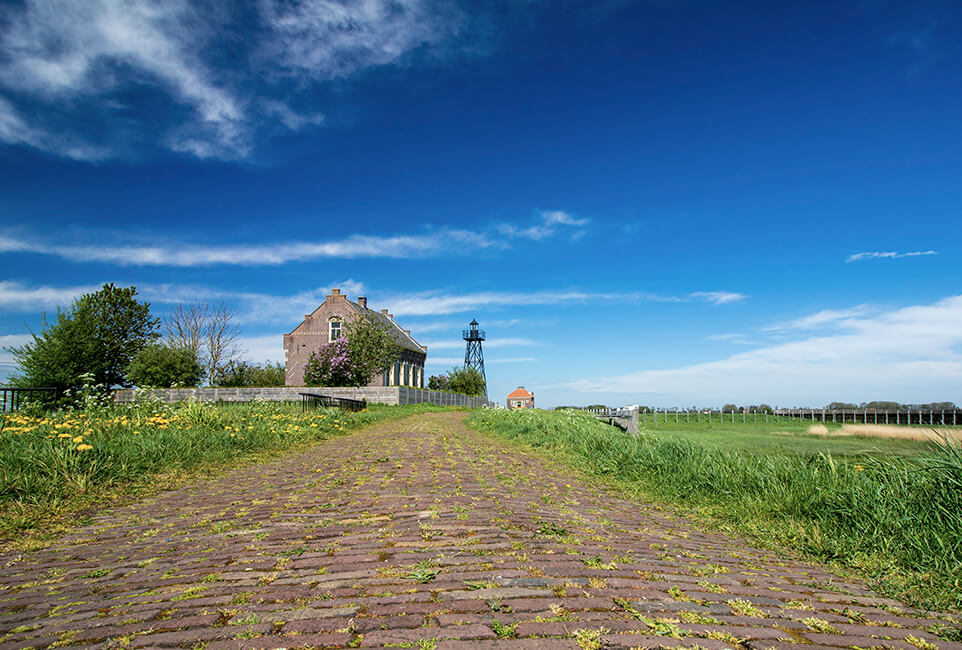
186, 255
66, 58
547, 226
717, 297
448, 362
909, 354
821, 319
16, 296
58, 51
261, 349
327, 39
496, 343
7, 364
872, 255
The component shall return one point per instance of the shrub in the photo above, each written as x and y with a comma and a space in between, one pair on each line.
238, 374
466, 381
161, 366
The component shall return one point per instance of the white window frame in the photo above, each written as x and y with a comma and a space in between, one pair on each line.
330, 328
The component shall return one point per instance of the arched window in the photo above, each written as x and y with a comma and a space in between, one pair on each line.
335, 331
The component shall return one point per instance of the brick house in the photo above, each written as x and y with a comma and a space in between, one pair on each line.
520, 399
327, 323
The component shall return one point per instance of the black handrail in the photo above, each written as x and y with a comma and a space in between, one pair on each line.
11, 397
310, 401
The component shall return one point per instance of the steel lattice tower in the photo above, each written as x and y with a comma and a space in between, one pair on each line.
473, 355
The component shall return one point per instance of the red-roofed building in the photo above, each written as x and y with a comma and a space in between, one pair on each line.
520, 399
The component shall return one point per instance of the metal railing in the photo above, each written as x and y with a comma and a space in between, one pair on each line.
311, 401
13, 398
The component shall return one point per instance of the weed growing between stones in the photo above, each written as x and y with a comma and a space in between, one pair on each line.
53, 464
895, 520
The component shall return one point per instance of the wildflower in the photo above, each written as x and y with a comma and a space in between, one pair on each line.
84, 447
65, 435
78, 439
858, 468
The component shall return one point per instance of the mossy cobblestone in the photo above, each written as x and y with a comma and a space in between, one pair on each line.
424, 533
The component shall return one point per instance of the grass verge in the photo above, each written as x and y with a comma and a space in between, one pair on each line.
58, 469
895, 521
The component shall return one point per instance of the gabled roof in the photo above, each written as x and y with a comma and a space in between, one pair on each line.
401, 337
519, 392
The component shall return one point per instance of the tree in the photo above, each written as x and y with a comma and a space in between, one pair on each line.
162, 366
208, 330
242, 373
466, 381
366, 350
373, 349
729, 408
98, 335
438, 382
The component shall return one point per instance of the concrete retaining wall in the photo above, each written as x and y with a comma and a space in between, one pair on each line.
393, 395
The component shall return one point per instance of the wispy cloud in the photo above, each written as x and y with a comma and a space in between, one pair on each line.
447, 362
187, 255
7, 364
496, 343
15, 296
910, 354
717, 297
66, 59
821, 319
890, 255
548, 224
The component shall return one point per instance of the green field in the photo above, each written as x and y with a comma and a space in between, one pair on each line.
888, 510
786, 437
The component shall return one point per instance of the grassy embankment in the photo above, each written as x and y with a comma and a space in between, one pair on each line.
56, 469
890, 510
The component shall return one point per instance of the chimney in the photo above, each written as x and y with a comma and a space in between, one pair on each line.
384, 311
335, 292
408, 332
391, 316
362, 301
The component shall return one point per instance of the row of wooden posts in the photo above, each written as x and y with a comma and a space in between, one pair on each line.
943, 417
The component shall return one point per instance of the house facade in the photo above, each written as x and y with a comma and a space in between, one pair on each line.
328, 323
519, 398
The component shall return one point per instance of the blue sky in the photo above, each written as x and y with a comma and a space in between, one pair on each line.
671, 203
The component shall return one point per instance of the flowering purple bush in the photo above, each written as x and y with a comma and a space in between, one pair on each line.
330, 365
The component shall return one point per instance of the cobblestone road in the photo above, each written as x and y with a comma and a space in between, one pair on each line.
422, 533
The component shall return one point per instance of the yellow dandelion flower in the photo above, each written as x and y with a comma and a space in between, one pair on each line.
858, 468
65, 435
78, 439
84, 447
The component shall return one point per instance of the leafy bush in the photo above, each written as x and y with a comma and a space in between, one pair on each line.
466, 381
239, 374
438, 382
161, 366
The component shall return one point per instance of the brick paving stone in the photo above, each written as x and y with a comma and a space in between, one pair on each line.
417, 530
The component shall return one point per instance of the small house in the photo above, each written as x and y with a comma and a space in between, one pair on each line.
520, 399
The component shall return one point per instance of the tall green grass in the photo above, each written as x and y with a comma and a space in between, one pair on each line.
51, 464
896, 521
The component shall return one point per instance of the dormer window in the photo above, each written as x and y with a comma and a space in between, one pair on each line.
335, 332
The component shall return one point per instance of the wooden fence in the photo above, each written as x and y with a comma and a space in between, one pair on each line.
919, 417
